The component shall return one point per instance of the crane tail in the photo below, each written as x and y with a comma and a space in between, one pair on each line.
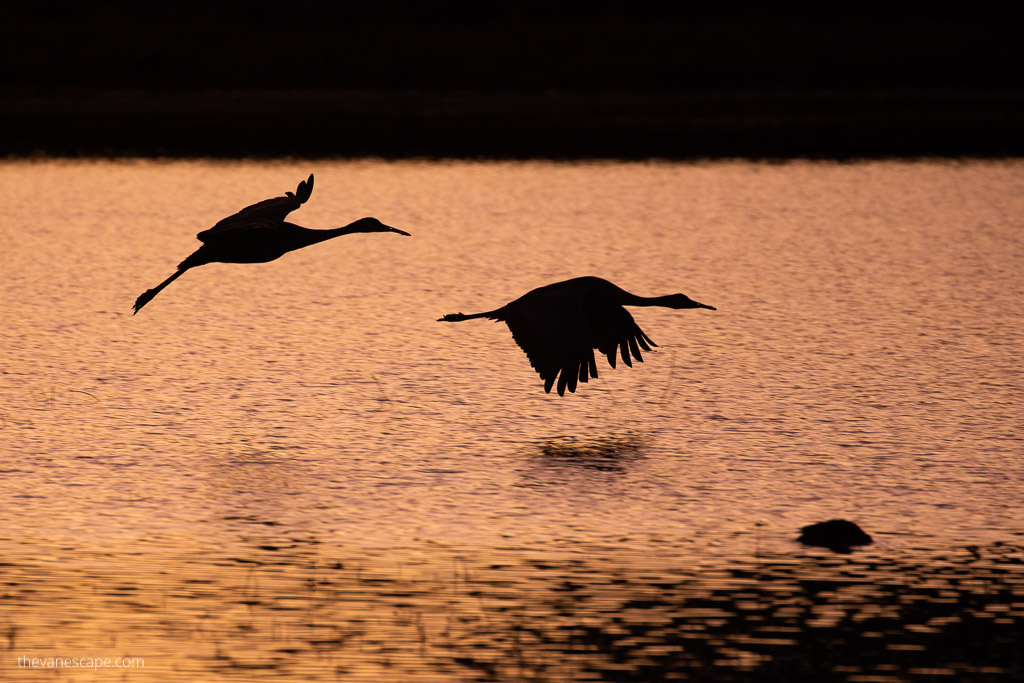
148, 295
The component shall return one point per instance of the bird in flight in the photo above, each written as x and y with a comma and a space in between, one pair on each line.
259, 233
560, 325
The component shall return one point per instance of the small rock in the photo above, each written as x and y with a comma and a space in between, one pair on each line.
838, 535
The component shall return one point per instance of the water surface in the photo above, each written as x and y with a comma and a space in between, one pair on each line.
290, 470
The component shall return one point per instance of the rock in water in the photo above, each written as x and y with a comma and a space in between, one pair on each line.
838, 535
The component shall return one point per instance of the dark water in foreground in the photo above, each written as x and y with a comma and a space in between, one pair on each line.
294, 607
290, 471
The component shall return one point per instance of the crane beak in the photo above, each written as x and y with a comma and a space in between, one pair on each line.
400, 232
700, 305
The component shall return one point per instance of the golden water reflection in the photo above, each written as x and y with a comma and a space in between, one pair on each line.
294, 608
291, 471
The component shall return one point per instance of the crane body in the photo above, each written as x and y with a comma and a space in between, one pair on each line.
559, 326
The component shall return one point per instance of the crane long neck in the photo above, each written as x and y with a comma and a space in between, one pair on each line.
634, 300
310, 236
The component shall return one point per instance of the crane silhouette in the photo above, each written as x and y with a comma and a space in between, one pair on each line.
259, 233
559, 326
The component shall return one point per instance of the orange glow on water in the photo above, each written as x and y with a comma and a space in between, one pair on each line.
291, 471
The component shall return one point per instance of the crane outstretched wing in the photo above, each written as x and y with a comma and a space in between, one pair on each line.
560, 332
549, 324
615, 331
265, 214
554, 347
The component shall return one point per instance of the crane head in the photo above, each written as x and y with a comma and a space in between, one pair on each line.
370, 224
683, 301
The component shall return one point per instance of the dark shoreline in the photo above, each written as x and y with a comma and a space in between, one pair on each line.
514, 124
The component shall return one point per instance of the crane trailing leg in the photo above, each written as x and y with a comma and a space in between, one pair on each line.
146, 296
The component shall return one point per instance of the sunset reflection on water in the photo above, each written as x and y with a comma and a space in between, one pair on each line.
291, 471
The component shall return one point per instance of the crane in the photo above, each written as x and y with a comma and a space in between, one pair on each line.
559, 326
258, 234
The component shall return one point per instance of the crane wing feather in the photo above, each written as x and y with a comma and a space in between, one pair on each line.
616, 332
556, 338
269, 212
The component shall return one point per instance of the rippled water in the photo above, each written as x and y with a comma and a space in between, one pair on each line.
291, 471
